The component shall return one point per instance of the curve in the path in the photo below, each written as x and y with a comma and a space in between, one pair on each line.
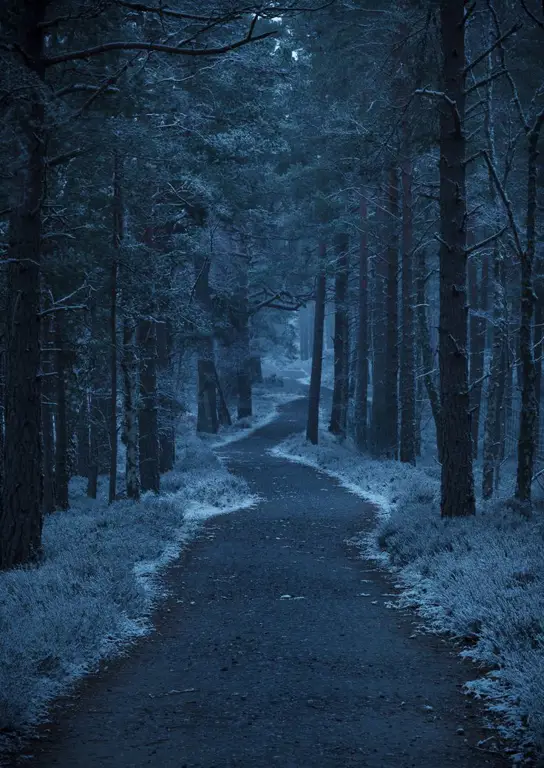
240, 675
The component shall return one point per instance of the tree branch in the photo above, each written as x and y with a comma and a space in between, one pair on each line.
65, 157
151, 47
141, 8
515, 28
79, 87
485, 81
531, 15
486, 241
505, 199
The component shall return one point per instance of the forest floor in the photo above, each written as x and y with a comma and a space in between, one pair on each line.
275, 647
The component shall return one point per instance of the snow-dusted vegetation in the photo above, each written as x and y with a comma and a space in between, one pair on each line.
98, 583
479, 579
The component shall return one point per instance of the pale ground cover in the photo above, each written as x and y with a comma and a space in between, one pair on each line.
480, 580
96, 588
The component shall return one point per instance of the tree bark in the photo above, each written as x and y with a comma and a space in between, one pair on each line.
118, 232
477, 333
529, 404
338, 421
2, 417
256, 369
361, 386
48, 439
223, 409
378, 352
21, 515
407, 350
207, 420
131, 437
427, 353
94, 408
495, 392
167, 400
148, 416
507, 375
391, 382
314, 395
241, 346
420, 399
61, 426
83, 447
538, 347
457, 481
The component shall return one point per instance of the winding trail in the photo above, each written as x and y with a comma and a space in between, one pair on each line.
239, 676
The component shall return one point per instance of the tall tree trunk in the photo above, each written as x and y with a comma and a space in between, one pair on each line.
529, 405
83, 447
2, 418
61, 424
361, 386
256, 369
21, 512
148, 416
457, 480
390, 425
477, 333
314, 395
131, 436
495, 392
407, 350
338, 422
207, 420
94, 408
167, 401
245, 396
538, 347
420, 399
329, 326
507, 375
48, 440
379, 323
311, 326
427, 352
223, 409
118, 232
242, 355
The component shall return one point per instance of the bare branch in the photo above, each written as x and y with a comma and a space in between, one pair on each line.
105, 85
65, 157
79, 87
509, 77
152, 47
532, 15
63, 308
506, 201
486, 241
141, 8
485, 81
515, 28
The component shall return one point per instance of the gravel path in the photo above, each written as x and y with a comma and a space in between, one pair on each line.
239, 675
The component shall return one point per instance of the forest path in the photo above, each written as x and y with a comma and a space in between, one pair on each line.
239, 676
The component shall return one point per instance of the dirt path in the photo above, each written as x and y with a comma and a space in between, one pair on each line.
238, 675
